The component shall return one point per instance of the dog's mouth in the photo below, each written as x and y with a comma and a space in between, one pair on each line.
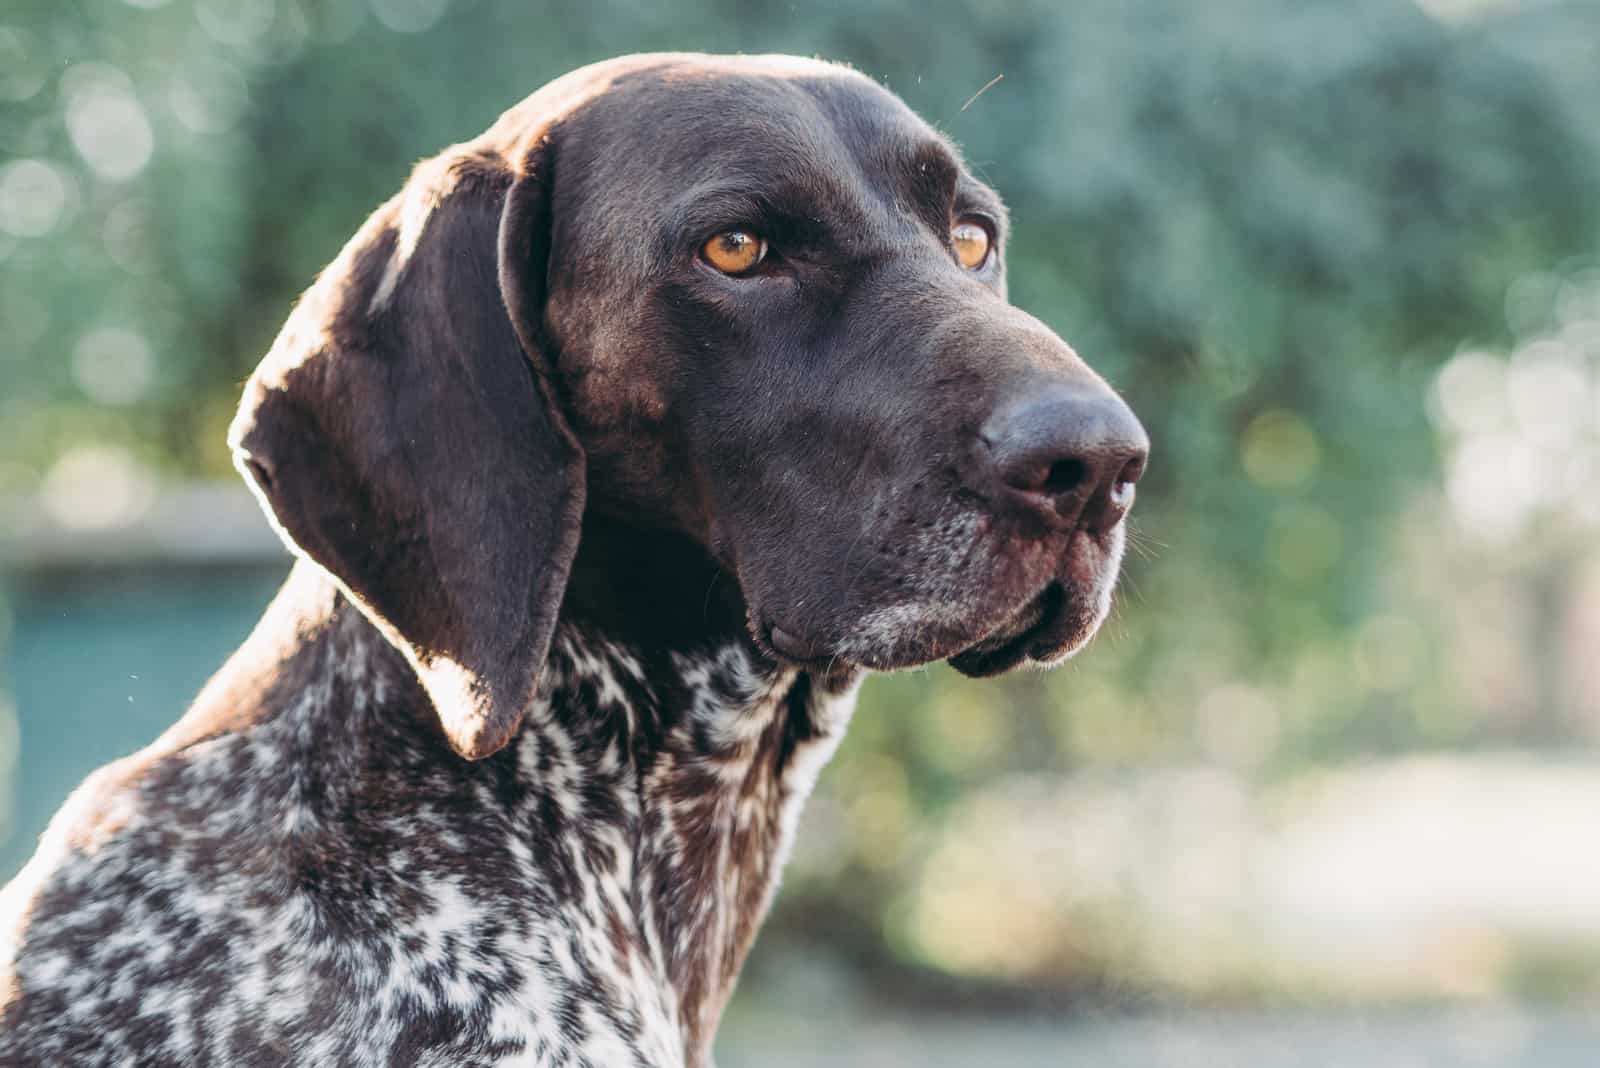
1041, 630
1070, 601
1038, 630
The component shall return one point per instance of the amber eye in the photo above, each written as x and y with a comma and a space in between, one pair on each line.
972, 243
735, 252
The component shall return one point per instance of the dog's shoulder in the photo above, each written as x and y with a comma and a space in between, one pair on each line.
133, 921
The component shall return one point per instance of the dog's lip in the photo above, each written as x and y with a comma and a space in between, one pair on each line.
792, 646
1036, 629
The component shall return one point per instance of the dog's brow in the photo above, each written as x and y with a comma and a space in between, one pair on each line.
707, 209
932, 175
972, 195
934, 163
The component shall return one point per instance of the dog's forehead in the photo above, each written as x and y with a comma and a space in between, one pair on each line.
682, 114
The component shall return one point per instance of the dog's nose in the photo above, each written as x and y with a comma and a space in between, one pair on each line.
1071, 453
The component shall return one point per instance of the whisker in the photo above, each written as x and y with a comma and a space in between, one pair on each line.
992, 82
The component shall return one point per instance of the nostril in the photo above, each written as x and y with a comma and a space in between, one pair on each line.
1065, 453
1109, 510
1122, 487
1063, 477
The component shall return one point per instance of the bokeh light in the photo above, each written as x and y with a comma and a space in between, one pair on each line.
22, 66
112, 365
409, 16
95, 487
34, 194
107, 124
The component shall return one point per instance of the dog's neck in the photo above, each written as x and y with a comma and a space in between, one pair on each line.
643, 812
709, 764
654, 679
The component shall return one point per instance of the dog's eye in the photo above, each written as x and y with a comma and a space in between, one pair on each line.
972, 243
735, 252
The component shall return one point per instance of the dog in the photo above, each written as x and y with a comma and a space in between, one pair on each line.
614, 451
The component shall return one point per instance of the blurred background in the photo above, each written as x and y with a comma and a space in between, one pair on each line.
1327, 787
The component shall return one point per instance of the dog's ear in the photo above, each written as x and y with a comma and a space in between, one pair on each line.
405, 435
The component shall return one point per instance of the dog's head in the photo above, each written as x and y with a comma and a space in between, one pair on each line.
756, 301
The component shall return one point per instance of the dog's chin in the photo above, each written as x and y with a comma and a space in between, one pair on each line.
1046, 630
1055, 618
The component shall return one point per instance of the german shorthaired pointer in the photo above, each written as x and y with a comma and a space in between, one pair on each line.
614, 450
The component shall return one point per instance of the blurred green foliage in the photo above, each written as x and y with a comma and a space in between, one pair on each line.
1267, 223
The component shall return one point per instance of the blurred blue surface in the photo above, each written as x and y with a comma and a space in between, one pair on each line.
98, 665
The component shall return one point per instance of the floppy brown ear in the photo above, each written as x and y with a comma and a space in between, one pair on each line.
404, 435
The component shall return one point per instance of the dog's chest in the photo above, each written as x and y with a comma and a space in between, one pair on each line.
642, 817
651, 809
